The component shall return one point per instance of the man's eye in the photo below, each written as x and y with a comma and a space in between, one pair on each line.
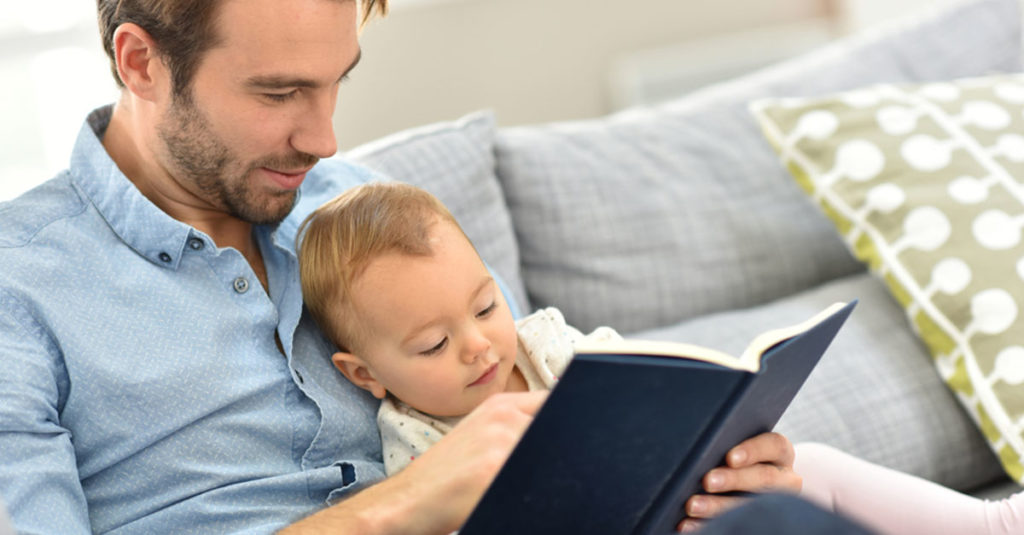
487, 311
281, 97
437, 348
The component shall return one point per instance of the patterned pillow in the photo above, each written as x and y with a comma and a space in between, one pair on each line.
922, 183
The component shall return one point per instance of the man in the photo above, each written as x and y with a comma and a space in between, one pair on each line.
160, 372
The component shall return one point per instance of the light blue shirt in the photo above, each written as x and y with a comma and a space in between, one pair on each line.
141, 388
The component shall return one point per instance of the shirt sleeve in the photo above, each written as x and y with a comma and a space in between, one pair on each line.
513, 306
39, 480
893, 502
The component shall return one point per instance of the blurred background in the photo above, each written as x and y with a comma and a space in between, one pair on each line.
530, 61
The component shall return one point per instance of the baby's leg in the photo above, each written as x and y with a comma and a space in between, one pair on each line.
893, 502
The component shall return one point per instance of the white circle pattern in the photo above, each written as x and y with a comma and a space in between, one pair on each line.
924, 187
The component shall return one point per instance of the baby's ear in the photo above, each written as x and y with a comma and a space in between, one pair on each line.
359, 373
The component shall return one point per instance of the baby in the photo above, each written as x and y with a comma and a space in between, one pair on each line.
418, 319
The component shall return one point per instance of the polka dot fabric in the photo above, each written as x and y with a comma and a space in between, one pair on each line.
924, 184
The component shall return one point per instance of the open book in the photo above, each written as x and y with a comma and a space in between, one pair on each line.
631, 428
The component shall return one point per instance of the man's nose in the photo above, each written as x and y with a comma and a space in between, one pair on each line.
314, 133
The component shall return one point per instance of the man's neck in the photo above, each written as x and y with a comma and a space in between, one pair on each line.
128, 140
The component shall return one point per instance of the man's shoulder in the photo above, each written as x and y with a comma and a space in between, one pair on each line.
331, 176
327, 179
23, 218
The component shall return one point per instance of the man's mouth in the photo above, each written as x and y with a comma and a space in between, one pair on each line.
287, 179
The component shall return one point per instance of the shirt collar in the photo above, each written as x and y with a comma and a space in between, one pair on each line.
134, 218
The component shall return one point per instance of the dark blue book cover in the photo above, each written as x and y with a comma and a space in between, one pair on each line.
626, 436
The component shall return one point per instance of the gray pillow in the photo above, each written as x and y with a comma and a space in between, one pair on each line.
655, 215
455, 162
874, 394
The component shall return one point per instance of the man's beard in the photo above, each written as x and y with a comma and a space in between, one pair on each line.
200, 157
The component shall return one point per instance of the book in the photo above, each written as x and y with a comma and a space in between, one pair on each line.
632, 427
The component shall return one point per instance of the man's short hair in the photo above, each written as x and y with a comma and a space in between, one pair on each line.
183, 30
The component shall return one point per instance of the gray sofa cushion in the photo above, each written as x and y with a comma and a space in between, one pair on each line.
656, 215
874, 394
455, 161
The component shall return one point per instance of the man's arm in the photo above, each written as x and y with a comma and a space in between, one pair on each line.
436, 492
762, 463
38, 472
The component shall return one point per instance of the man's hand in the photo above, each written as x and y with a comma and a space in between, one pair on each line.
762, 463
435, 493
460, 467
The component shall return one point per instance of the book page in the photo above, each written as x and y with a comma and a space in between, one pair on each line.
750, 360
767, 339
662, 349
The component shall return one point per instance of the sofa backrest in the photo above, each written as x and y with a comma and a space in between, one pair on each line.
455, 162
655, 215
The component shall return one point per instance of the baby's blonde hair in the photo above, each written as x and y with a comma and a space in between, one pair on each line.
338, 241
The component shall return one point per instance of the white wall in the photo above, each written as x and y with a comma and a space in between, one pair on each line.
430, 60
856, 14
529, 60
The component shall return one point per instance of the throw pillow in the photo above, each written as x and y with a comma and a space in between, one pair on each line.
875, 393
922, 183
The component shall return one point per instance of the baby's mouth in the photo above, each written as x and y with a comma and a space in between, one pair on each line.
487, 376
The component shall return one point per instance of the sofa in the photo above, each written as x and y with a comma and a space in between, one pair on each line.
678, 222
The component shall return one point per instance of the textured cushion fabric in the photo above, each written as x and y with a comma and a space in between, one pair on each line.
655, 215
455, 162
923, 182
874, 394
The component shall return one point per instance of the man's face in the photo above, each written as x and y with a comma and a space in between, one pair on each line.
436, 331
258, 114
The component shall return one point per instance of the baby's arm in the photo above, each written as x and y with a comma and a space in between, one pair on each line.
893, 502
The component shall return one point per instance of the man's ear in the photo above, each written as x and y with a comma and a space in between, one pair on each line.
138, 63
358, 372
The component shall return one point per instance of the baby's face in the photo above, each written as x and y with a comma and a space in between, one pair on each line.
438, 334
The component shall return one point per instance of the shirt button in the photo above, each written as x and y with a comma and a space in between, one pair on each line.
164, 257
298, 376
241, 285
196, 244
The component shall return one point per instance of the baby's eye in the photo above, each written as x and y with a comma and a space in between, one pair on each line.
487, 311
437, 348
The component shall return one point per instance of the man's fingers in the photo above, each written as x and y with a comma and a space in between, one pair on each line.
511, 408
764, 462
529, 402
709, 506
756, 478
770, 448
501, 419
479, 446
689, 525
